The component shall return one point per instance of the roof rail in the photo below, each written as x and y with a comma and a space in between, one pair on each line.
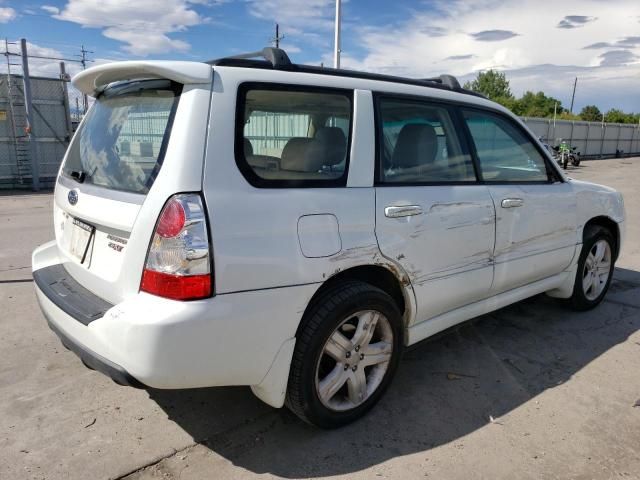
446, 80
277, 57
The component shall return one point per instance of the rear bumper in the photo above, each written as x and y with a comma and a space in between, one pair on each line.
95, 361
231, 339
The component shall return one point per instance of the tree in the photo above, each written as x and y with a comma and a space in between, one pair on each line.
492, 84
591, 113
566, 115
615, 115
537, 105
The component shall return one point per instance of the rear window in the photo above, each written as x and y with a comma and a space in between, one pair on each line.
121, 143
289, 136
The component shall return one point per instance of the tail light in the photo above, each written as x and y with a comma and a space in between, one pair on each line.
178, 264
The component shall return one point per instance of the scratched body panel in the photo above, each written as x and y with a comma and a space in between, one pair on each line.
534, 240
449, 244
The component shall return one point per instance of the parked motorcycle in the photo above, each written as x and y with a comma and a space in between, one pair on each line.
565, 154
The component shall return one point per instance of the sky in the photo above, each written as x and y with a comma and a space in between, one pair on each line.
539, 44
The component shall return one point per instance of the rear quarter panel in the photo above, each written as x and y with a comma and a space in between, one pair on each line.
255, 230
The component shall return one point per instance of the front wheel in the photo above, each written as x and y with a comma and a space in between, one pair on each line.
347, 351
595, 269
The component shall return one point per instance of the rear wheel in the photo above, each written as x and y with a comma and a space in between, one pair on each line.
347, 351
595, 269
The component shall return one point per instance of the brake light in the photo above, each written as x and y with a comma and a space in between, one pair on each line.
178, 264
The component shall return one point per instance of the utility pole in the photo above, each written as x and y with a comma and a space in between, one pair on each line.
336, 46
573, 95
64, 78
28, 108
83, 61
278, 37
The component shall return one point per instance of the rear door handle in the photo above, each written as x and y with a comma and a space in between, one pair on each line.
512, 202
402, 211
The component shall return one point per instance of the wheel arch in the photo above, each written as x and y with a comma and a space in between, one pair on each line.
607, 223
387, 278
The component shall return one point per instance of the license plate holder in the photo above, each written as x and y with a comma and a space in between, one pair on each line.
79, 238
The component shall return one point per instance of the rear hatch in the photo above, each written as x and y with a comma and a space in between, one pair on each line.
122, 165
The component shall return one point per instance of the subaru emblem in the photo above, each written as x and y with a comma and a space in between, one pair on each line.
72, 197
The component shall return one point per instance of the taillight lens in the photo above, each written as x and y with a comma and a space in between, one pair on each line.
178, 264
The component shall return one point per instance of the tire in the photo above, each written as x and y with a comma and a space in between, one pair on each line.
565, 161
345, 310
587, 298
576, 162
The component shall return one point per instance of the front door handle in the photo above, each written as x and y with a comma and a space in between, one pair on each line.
512, 202
402, 211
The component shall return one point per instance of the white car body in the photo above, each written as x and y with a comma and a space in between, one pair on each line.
274, 248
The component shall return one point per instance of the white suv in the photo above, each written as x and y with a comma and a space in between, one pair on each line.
294, 228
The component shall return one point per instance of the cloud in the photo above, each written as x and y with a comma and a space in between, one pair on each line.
575, 21
7, 14
597, 46
308, 23
50, 9
317, 14
139, 42
142, 25
493, 35
460, 57
433, 31
540, 57
629, 42
617, 58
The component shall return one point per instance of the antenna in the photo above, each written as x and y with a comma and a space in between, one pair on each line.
278, 37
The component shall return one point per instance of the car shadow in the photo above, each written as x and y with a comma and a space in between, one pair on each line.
446, 388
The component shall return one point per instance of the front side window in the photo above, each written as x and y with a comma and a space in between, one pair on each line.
504, 152
418, 144
294, 137
121, 142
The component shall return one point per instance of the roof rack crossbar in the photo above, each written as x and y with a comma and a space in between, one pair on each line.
277, 57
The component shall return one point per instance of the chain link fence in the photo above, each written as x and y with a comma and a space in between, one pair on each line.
42, 141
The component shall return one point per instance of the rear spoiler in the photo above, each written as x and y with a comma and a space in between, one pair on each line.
95, 79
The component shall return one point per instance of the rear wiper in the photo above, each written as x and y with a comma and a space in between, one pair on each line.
78, 175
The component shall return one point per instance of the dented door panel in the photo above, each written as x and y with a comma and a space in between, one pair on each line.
535, 239
446, 249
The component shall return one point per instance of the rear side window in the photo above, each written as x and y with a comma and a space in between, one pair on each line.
121, 143
292, 136
418, 144
505, 154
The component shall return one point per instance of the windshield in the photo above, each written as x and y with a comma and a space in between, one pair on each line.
121, 142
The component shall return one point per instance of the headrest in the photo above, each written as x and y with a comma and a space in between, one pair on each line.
417, 144
294, 155
328, 148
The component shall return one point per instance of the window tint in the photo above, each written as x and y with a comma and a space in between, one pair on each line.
295, 136
504, 152
419, 145
119, 145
